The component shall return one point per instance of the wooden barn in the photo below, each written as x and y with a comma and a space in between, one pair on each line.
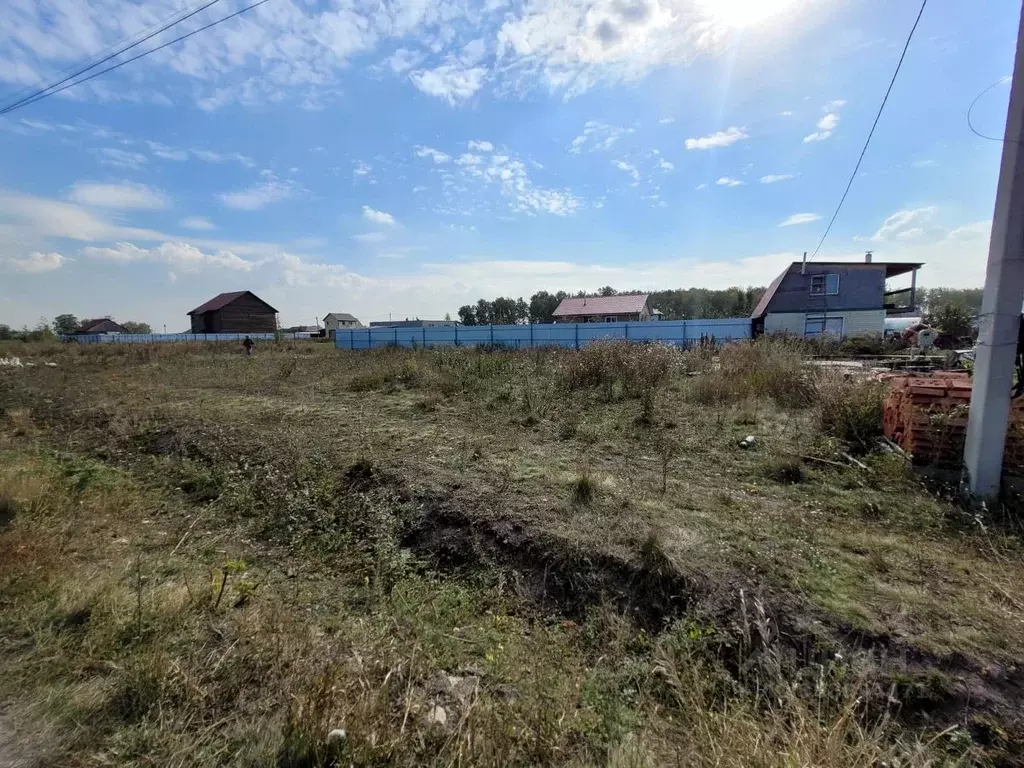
234, 312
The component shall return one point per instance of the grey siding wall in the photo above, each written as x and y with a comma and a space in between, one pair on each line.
861, 286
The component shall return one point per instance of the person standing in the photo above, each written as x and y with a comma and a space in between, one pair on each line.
247, 343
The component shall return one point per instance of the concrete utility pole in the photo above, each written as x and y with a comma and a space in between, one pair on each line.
1000, 307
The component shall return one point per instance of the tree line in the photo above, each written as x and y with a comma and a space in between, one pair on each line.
62, 325
678, 304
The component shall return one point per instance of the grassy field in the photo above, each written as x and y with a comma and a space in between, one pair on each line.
485, 557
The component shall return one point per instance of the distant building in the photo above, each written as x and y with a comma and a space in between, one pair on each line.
843, 298
235, 312
604, 309
335, 320
102, 325
414, 323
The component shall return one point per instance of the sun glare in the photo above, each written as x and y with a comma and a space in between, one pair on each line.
744, 13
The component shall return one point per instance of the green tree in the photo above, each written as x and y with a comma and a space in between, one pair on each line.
65, 325
955, 319
543, 305
134, 327
483, 312
607, 291
467, 316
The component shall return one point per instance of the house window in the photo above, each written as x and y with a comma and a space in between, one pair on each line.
825, 285
611, 319
815, 325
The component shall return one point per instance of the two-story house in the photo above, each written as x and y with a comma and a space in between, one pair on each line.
839, 297
334, 321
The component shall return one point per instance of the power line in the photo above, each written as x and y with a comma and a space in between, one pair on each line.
977, 98
136, 57
160, 26
165, 26
874, 125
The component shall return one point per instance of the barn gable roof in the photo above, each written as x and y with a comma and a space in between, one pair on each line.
221, 300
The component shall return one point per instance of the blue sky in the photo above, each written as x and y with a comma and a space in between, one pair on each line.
409, 157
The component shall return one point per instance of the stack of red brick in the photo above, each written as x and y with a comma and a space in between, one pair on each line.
926, 415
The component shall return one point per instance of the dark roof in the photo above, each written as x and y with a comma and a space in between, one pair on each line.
344, 317
100, 325
892, 269
221, 300
602, 305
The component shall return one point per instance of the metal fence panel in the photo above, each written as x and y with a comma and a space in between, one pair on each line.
678, 332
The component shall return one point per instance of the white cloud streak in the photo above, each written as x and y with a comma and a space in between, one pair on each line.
123, 196
720, 139
799, 218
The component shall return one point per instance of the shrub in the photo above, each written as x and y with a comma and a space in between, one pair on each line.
768, 367
851, 410
583, 489
788, 471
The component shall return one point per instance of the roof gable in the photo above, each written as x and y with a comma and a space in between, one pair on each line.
221, 300
602, 305
344, 317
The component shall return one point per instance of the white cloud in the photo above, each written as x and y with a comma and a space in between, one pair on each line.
165, 152
727, 181
123, 196
402, 60
182, 256
120, 158
298, 50
469, 159
258, 195
799, 218
721, 139
775, 178
481, 146
449, 82
36, 262
832, 106
902, 221
827, 124
786, 113
436, 155
377, 217
197, 222
629, 168
209, 156
600, 137
665, 165
666, 121
361, 169
701, 186
923, 163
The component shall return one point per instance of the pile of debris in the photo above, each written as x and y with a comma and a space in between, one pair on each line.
926, 416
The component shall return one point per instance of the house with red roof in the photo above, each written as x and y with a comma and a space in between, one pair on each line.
605, 309
234, 312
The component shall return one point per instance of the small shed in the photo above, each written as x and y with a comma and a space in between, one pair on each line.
100, 325
234, 312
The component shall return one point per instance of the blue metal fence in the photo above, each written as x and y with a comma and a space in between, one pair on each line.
574, 335
157, 338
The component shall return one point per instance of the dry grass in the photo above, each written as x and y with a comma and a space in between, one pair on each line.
329, 617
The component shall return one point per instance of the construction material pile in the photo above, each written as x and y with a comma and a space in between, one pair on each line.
926, 415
